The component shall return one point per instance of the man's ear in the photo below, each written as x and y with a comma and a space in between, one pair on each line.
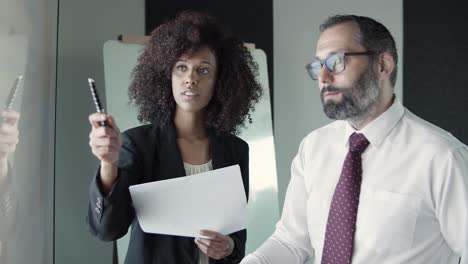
386, 66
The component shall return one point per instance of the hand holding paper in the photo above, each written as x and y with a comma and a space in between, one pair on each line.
216, 245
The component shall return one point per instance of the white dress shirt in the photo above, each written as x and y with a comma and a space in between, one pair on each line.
414, 195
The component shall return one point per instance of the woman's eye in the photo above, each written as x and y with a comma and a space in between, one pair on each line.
181, 67
204, 71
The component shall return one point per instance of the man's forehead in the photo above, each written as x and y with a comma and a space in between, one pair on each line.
341, 37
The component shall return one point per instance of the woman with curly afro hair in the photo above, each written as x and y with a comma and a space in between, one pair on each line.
194, 86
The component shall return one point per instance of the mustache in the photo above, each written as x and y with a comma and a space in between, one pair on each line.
330, 88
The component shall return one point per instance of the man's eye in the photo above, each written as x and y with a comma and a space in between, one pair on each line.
339, 61
338, 64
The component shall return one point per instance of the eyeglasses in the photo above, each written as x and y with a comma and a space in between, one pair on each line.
335, 63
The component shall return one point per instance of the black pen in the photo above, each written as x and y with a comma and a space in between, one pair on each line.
13, 93
96, 100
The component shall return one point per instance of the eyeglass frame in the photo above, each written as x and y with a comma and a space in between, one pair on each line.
309, 68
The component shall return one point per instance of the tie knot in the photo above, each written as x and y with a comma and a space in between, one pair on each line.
358, 143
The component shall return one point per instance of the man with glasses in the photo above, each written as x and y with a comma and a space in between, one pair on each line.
379, 185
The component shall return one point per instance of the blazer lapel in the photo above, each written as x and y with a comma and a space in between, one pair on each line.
170, 159
218, 155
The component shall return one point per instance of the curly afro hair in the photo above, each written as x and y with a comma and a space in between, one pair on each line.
236, 88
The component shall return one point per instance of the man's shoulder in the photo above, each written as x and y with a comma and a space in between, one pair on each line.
426, 133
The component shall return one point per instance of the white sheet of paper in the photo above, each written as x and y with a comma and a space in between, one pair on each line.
213, 200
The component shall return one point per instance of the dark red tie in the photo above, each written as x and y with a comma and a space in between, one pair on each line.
341, 224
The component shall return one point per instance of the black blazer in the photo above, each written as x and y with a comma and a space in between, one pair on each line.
149, 154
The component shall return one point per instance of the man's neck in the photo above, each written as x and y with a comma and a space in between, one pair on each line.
363, 120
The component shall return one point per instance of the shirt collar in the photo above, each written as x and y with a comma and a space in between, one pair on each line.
377, 130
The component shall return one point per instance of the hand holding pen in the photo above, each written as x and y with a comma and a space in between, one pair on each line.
105, 141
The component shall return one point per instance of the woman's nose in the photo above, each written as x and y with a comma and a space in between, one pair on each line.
192, 79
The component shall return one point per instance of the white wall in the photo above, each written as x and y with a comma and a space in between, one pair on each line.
84, 26
298, 109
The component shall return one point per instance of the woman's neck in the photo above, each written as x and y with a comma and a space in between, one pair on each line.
190, 126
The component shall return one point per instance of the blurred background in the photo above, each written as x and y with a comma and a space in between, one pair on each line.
55, 45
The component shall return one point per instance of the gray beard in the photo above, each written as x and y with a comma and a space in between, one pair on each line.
357, 101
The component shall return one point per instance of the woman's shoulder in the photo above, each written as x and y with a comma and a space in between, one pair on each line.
140, 130
234, 140
141, 134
